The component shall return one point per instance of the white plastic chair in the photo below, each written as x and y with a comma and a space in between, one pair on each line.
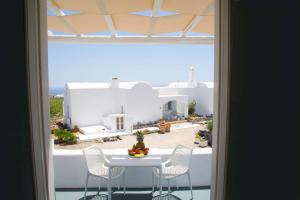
177, 165
97, 165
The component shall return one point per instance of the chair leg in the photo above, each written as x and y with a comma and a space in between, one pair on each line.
86, 183
176, 183
152, 183
190, 182
124, 184
99, 188
118, 185
169, 189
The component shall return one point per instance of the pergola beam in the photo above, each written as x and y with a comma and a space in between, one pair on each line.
108, 19
197, 19
155, 13
192, 25
51, 6
72, 39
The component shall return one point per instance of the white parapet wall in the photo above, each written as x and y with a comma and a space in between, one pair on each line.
70, 169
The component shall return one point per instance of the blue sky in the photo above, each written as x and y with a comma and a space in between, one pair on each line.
157, 64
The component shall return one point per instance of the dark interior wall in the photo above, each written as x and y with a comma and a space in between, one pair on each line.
15, 160
264, 101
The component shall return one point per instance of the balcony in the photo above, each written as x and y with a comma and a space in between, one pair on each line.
70, 173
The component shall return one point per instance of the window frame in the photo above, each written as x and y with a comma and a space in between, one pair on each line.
37, 67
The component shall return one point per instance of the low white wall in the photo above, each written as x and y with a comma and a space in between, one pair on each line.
70, 169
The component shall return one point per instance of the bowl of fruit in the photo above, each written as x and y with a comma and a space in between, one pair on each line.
138, 150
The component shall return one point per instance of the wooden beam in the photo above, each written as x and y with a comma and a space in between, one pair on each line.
51, 6
69, 39
197, 19
155, 13
108, 19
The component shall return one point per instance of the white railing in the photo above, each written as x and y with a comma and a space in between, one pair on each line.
70, 169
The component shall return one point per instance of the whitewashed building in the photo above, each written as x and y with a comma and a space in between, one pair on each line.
116, 106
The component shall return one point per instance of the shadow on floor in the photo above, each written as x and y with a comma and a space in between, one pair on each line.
183, 193
130, 197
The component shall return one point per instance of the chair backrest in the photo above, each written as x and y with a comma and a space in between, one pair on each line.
181, 157
94, 157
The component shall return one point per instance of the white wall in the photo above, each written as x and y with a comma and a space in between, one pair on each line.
201, 94
142, 103
70, 169
66, 106
89, 106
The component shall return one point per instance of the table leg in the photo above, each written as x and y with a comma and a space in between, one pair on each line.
160, 182
109, 184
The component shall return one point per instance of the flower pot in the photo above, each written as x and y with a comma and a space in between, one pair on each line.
162, 128
203, 143
168, 127
208, 136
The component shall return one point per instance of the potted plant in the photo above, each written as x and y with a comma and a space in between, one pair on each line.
168, 127
208, 135
162, 126
197, 138
203, 142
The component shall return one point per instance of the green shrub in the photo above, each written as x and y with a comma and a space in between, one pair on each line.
210, 125
56, 107
192, 107
65, 136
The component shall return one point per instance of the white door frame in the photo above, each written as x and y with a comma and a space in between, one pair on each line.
221, 99
37, 61
39, 111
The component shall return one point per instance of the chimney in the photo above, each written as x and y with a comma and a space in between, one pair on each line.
114, 83
191, 79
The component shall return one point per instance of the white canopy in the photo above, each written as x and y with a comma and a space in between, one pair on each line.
153, 21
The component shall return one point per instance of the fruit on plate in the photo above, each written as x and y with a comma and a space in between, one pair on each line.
131, 152
138, 151
139, 155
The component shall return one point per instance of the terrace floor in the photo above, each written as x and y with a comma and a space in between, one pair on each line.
180, 134
200, 193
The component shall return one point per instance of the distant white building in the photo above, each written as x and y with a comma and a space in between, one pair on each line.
118, 105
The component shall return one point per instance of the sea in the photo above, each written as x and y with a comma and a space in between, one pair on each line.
56, 91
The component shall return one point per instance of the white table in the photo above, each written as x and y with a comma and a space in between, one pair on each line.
135, 162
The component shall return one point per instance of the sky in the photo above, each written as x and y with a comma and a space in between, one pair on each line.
156, 64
